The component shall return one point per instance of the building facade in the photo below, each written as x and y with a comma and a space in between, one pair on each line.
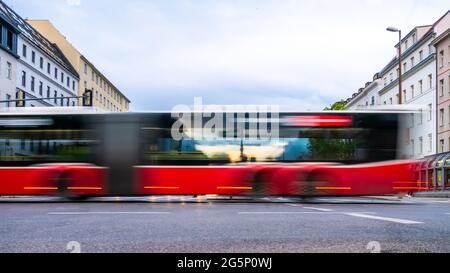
107, 96
8, 60
42, 71
442, 45
419, 88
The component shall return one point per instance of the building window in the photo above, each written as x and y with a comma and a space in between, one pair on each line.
68, 81
9, 41
441, 145
372, 101
62, 77
61, 103
441, 59
73, 85
404, 95
420, 55
405, 66
55, 95
56, 73
48, 68
441, 117
391, 77
414, 38
8, 98
41, 63
41, 87
24, 51
406, 44
33, 56
412, 147
385, 81
420, 86
430, 81
420, 145
24, 79
48, 92
390, 100
32, 83
420, 117
85, 68
8, 70
430, 143
411, 89
412, 62
441, 88
430, 112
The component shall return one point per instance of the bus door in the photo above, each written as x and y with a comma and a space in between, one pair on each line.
119, 150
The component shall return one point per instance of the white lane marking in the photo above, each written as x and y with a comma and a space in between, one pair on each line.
395, 220
279, 212
107, 213
296, 212
294, 205
319, 209
447, 213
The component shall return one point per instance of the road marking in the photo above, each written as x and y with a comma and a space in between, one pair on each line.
395, 220
294, 205
298, 212
279, 212
107, 213
319, 209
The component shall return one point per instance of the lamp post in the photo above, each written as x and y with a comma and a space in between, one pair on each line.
393, 29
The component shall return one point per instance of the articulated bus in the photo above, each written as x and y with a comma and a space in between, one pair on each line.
135, 154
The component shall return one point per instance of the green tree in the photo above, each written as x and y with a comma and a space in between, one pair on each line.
332, 147
337, 106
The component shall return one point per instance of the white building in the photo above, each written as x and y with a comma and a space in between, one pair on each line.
8, 59
418, 88
42, 70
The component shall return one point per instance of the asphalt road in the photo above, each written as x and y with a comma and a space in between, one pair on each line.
174, 224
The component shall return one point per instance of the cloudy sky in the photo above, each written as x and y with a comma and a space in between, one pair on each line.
299, 54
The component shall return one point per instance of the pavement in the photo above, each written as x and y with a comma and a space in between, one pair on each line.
433, 194
215, 224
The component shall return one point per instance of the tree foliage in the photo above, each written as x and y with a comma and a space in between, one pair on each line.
337, 106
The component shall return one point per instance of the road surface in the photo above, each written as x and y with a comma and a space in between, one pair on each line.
186, 224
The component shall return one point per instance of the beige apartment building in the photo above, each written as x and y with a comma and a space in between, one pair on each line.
442, 45
106, 96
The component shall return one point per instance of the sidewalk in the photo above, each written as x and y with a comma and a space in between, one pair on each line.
433, 194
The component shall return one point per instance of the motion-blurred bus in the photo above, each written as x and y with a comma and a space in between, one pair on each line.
129, 154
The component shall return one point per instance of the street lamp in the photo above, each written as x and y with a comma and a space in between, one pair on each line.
393, 29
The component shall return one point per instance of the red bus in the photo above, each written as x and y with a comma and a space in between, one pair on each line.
127, 154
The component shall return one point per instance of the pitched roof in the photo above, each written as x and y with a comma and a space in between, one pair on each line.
35, 37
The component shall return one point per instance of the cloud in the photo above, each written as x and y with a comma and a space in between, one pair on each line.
300, 54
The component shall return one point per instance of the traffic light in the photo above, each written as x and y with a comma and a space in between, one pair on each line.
87, 98
20, 98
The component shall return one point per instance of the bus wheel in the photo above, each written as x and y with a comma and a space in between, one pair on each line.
63, 180
316, 180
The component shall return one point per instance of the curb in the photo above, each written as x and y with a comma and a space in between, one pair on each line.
433, 194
